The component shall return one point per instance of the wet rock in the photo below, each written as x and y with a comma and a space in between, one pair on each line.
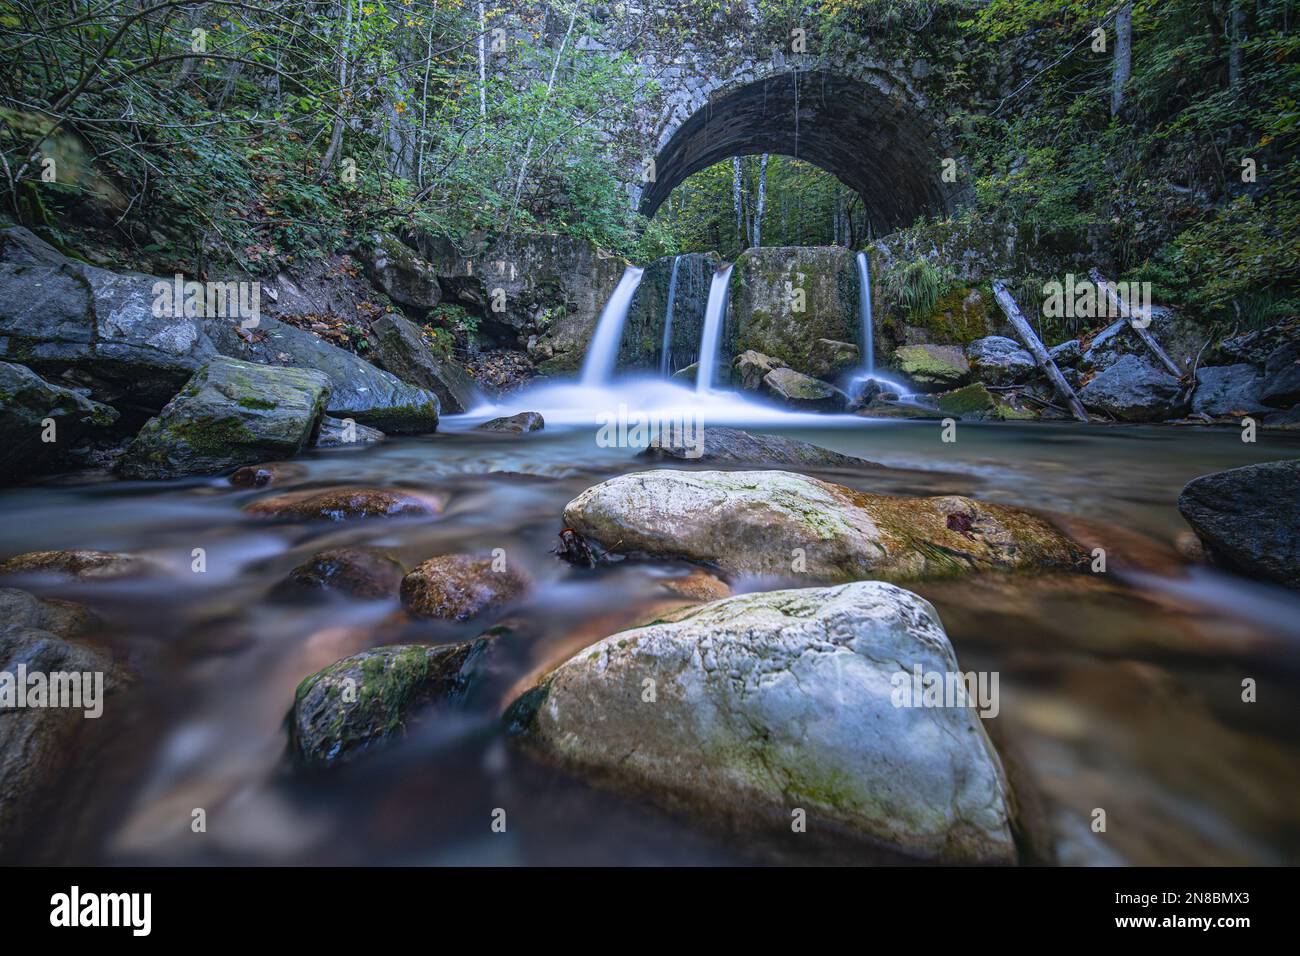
1067, 354
230, 413
1228, 390
38, 743
522, 422
457, 587
751, 367
81, 565
364, 700
398, 272
369, 573
642, 345
1249, 518
779, 700
997, 360
803, 392
686, 376
764, 310
1134, 390
829, 359
345, 433
1282, 376
403, 350
27, 402
733, 445
338, 504
698, 585
932, 368
752, 522
266, 474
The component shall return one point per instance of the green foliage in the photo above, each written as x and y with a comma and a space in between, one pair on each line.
916, 286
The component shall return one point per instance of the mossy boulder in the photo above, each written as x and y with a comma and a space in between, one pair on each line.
1134, 389
397, 271
998, 360
362, 701
28, 404
932, 368
783, 299
780, 523
781, 700
231, 413
403, 350
752, 367
803, 392
829, 359
969, 401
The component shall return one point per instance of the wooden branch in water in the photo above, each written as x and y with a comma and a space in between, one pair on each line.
1143, 332
1037, 349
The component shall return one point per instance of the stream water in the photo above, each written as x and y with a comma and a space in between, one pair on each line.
1118, 691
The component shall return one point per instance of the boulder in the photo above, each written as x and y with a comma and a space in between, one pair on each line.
803, 392
522, 422
1228, 390
724, 445
364, 700
1249, 518
81, 565
996, 360
231, 413
1067, 354
38, 743
775, 701
829, 359
456, 587
339, 504
932, 368
783, 299
751, 368
1281, 386
27, 402
398, 272
779, 523
265, 474
1133, 389
358, 572
403, 350
345, 433
972, 401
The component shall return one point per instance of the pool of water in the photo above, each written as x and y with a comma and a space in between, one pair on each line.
1120, 692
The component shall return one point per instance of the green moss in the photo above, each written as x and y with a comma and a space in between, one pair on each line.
965, 401
255, 403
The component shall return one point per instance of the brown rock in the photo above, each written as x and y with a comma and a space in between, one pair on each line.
261, 476
358, 572
81, 565
459, 586
337, 504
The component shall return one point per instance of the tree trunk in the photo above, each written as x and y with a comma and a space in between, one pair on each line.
1036, 348
736, 199
1123, 64
760, 202
336, 135
1237, 31
482, 75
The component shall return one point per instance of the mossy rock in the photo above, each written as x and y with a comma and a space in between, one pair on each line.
932, 368
972, 399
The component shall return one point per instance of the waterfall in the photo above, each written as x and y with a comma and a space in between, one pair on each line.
864, 312
665, 368
602, 353
713, 316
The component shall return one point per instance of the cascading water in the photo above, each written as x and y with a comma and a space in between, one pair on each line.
864, 312
665, 368
713, 316
602, 353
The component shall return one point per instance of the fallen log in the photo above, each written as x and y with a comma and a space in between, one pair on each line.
1036, 348
1139, 326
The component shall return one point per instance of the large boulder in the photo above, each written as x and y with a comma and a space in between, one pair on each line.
779, 701
58, 315
752, 367
779, 523
1228, 390
27, 402
1134, 389
403, 350
39, 742
932, 368
719, 445
829, 359
1249, 518
364, 700
997, 360
1281, 386
398, 272
783, 299
231, 413
803, 392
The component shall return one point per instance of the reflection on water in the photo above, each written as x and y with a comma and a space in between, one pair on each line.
1121, 693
